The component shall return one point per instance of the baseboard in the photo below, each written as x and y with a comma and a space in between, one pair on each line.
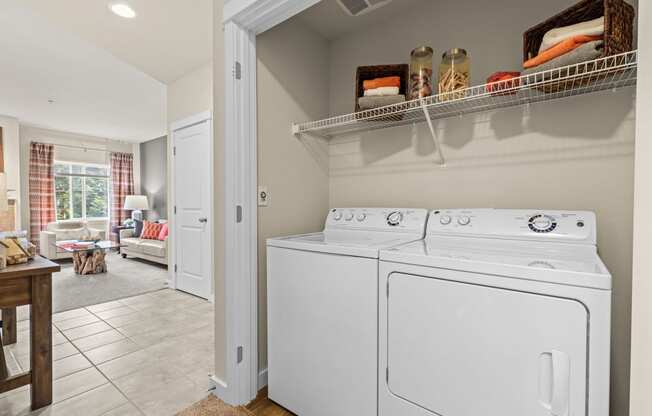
262, 378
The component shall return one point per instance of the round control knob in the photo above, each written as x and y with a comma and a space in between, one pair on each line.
445, 220
542, 223
361, 217
464, 220
337, 216
349, 216
394, 218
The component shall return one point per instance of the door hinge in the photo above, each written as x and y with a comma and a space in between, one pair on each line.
174, 151
239, 358
175, 268
238, 213
175, 209
237, 70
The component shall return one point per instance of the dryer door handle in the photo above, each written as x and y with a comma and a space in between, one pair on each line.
560, 383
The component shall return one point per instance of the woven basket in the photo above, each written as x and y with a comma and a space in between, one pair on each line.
365, 73
618, 31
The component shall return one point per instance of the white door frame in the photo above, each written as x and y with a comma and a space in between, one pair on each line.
172, 253
243, 20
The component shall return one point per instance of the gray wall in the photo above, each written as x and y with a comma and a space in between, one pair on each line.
153, 177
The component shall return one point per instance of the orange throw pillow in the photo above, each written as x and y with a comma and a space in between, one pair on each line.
151, 230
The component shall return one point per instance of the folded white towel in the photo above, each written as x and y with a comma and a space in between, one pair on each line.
381, 91
552, 37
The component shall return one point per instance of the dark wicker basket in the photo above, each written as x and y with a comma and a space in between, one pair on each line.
365, 73
618, 30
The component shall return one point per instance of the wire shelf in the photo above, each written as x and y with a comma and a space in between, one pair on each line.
610, 72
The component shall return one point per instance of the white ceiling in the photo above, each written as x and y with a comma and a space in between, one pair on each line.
167, 39
329, 19
105, 74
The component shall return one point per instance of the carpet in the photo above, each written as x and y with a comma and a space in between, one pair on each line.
212, 406
125, 278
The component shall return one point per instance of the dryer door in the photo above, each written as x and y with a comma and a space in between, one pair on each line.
458, 349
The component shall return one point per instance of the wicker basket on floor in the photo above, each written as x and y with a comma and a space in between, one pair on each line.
618, 33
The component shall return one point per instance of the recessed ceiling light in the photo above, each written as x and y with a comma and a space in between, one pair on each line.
122, 10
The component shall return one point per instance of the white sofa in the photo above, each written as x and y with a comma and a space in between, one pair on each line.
69, 230
152, 250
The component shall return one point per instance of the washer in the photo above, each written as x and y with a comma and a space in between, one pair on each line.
496, 312
322, 310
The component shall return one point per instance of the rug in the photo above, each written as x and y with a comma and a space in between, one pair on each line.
125, 278
212, 406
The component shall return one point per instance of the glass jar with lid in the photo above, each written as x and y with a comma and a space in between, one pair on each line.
421, 81
454, 74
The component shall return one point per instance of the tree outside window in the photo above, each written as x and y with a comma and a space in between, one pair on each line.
81, 191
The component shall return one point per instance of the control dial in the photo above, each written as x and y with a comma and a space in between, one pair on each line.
445, 219
361, 217
348, 216
394, 218
463, 220
541, 223
337, 216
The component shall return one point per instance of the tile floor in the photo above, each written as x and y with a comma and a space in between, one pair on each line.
145, 355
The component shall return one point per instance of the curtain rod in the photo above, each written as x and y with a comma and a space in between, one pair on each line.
96, 149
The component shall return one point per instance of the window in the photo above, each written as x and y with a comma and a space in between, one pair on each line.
81, 191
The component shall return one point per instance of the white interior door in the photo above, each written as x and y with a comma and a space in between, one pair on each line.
192, 222
456, 349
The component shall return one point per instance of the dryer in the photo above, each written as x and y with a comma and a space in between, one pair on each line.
496, 312
322, 310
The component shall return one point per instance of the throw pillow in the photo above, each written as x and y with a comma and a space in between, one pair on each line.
151, 230
164, 232
138, 228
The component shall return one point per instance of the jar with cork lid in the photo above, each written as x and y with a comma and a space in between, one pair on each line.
421, 72
454, 74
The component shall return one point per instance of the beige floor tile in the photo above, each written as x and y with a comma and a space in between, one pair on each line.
95, 402
111, 351
16, 403
86, 330
126, 364
112, 313
69, 365
77, 383
59, 352
74, 313
58, 338
124, 320
98, 340
126, 409
105, 306
154, 376
76, 322
168, 400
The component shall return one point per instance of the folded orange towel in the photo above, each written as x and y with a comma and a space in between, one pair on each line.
371, 84
559, 49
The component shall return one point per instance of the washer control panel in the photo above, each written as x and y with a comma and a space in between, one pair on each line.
540, 225
378, 219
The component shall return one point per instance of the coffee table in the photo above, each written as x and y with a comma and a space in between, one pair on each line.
87, 257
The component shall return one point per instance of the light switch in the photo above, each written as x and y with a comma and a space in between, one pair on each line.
263, 196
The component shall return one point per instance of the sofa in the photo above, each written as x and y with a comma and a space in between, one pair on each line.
69, 230
152, 250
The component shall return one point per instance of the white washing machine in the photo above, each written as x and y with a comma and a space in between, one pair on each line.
322, 310
497, 313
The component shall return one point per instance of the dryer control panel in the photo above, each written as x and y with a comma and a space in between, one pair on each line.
517, 224
403, 220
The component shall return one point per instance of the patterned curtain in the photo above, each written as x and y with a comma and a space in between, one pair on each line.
41, 188
122, 184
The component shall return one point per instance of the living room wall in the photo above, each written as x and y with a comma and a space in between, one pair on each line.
153, 177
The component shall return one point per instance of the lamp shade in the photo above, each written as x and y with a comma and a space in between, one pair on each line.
136, 202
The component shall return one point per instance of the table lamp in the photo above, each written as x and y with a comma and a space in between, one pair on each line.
136, 204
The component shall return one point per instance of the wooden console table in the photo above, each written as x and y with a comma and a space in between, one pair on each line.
30, 284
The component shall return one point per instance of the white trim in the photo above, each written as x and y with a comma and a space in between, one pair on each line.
262, 378
218, 386
176, 126
243, 20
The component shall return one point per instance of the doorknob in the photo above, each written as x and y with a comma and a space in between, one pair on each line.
204, 219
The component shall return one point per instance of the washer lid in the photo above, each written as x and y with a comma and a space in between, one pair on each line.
350, 243
567, 264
